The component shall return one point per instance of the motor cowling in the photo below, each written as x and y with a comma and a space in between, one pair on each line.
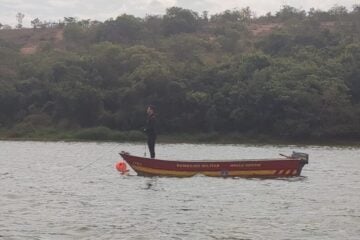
304, 157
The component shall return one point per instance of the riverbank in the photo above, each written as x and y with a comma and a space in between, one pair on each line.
107, 135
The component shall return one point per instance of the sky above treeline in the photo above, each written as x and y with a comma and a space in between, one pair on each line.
54, 10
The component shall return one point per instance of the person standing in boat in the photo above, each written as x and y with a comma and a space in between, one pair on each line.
150, 129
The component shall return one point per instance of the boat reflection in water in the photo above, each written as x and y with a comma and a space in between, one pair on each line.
286, 166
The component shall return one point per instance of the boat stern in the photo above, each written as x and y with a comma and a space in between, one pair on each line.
303, 157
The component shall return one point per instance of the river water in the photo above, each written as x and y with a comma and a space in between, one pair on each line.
57, 190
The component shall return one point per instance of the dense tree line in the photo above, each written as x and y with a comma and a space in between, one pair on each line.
203, 73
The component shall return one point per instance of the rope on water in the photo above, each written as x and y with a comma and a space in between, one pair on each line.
71, 175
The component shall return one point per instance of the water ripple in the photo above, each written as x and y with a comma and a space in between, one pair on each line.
48, 194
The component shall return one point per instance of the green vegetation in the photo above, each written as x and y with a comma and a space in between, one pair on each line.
294, 75
83, 134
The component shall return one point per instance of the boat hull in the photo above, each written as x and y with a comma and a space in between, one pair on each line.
262, 168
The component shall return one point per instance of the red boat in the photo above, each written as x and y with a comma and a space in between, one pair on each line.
287, 166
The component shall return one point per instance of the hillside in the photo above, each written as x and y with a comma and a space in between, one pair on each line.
28, 40
292, 75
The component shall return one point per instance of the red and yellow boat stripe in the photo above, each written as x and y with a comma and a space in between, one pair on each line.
234, 173
286, 172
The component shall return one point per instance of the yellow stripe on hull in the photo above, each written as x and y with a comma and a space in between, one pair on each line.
173, 173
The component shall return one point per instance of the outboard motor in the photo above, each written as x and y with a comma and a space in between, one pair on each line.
304, 157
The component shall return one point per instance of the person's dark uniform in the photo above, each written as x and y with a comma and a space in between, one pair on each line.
151, 134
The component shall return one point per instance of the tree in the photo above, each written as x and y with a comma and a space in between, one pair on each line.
36, 23
81, 103
179, 20
338, 11
69, 20
186, 47
74, 32
153, 26
205, 16
19, 18
124, 29
351, 63
244, 15
356, 8
230, 27
290, 13
276, 43
9, 103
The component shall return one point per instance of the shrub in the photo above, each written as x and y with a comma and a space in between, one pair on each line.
97, 133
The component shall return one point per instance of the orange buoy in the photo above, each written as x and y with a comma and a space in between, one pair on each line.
121, 167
